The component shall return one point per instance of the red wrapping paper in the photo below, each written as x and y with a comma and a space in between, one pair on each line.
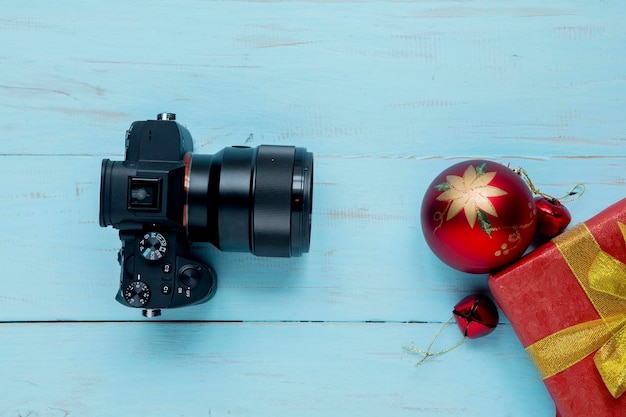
540, 296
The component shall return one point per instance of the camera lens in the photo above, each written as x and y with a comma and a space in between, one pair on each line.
255, 200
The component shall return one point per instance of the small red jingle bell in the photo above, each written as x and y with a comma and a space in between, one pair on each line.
476, 315
552, 216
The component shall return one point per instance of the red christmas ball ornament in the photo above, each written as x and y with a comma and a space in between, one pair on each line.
552, 216
476, 315
478, 216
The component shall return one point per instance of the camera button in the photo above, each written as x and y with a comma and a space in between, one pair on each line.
167, 268
190, 276
166, 289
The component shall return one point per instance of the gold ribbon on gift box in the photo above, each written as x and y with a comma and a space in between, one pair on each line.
603, 278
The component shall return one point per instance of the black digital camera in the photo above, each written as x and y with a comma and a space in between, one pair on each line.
162, 197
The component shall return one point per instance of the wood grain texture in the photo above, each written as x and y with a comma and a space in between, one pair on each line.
386, 95
263, 369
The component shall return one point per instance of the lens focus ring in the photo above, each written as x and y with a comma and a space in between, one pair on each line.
272, 201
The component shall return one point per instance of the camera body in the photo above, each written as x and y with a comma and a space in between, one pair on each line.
162, 196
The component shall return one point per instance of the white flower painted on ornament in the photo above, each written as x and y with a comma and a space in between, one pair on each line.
471, 194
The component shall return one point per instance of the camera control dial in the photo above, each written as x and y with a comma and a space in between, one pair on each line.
190, 276
137, 293
153, 246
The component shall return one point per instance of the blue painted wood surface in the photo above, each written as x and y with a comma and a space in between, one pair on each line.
386, 95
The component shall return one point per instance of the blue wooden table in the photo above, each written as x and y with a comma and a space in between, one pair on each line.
386, 95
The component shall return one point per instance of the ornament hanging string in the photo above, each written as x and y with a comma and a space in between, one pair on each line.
427, 353
573, 194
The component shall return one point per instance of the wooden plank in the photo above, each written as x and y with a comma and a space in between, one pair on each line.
368, 259
261, 369
377, 78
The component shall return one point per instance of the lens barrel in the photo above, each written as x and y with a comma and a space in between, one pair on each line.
255, 200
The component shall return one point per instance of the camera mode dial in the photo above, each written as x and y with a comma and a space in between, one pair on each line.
153, 246
137, 293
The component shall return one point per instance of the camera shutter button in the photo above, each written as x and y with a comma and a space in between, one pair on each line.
190, 276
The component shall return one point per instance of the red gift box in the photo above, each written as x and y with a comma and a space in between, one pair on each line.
566, 301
